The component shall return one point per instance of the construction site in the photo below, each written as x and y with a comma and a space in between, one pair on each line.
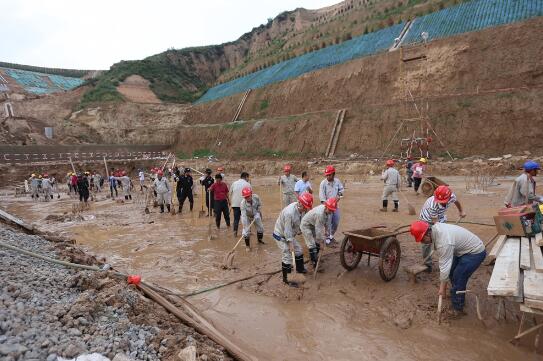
355, 182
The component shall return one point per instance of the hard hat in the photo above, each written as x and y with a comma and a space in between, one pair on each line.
187, 170
33, 175
69, 173
220, 169
123, 173
442, 194
531, 165
208, 171
329, 170
134, 279
159, 172
40, 176
422, 160
418, 229
390, 163
306, 200
331, 204
87, 172
246, 192
45, 175
287, 168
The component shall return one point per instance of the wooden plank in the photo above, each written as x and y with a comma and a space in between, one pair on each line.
497, 247
525, 253
533, 285
539, 239
537, 257
10, 218
533, 303
505, 279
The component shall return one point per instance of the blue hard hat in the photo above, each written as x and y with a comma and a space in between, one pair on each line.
531, 165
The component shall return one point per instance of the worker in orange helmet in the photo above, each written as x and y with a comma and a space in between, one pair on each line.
331, 187
251, 210
433, 211
392, 180
460, 253
314, 227
288, 182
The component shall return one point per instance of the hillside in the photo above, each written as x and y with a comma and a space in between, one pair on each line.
182, 76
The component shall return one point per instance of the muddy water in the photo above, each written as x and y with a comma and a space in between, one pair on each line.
341, 316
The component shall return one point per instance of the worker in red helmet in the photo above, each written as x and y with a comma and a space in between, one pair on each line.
163, 191
287, 182
331, 187
314, 226
251, 209
434, 211
286, 228
392, 180
126, 183
460, 253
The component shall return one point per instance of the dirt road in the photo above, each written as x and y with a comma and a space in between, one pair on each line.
341, 316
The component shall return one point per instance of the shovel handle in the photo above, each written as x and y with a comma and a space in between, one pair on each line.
240, 238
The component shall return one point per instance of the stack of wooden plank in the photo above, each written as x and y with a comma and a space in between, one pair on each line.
518, 270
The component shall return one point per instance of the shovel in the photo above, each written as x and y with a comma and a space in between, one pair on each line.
209, 236
410, 207
202, 212
228, 261
318, 263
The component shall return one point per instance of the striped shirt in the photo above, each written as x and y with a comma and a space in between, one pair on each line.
431, 209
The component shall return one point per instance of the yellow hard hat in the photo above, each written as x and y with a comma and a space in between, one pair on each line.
423, 160
33, 175
40, 175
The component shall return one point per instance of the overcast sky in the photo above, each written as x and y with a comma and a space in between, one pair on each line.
97, 33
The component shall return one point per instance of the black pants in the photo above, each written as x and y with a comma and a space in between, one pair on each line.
409, 179
209, 209
83, 195
237, 218
182, 196
417, 182
111, 188
221, 207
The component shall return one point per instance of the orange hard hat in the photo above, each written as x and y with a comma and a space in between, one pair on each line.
306, 200
418, 229
329, 170
331, 204
442, 194
246, 192
220, 169
390, 163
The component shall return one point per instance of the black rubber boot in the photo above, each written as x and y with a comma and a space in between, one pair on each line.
313, 255
179, 211
300, 268
259, 237
396, 205
385, 205
161, 208
125, 198
247, 241
130, 196
286, 269
169, 209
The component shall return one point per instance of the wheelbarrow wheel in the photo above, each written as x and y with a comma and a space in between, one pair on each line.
348, 257
389, 258
427, 188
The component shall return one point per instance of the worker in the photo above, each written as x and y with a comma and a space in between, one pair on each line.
251, 209
162, 190
34, 186
127, 185
434, 211
314, 227
141, 177
392, 180
207, 181
303, 185
221, 201
83, 188
288, 181
523, 190
74, 183
113, 186
419, 169
184, 188
331, 187
460, 254
220, 170
97, 178
286, 228
236, 197
47, 187
409, 166
69, 182
54, 186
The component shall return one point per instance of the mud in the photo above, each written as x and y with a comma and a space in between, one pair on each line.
341, 316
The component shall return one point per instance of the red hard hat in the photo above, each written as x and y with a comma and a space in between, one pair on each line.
306, 200
134, 279
442, 194
246, 192
45, 175
123, 173
331, 204
159, 172
287, 168
418, 230
329, 170
390, 163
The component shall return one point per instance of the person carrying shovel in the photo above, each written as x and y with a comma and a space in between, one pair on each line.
433, 211
251, 209
460, 254
207, 181
392, 180
286, 228
314, 225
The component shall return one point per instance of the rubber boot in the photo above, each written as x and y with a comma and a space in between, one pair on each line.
286, 269
161, 208
313, 255
300, 268
247, 243
168, 206
385, 205
130, 196
191, 206
396, 205
180, 208
51, 196
259, 237
125, 198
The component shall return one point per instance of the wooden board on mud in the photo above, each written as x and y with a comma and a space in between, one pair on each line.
505, 279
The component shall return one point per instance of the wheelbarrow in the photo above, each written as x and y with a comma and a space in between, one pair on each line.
430, 184
375, 241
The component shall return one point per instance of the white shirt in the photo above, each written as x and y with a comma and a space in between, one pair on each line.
235, 191
142, 176
301, 186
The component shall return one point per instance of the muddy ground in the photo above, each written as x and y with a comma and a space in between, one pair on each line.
340, 315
